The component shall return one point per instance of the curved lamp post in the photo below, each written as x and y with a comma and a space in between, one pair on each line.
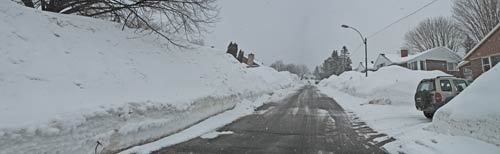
366, 48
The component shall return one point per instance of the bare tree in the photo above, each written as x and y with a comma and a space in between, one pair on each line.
279, 65
468, 43
300, 69
435, 32
477, 17
167, 18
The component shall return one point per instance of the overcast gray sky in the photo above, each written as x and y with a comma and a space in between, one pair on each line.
306, 32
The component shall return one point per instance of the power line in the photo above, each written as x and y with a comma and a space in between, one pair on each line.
402, 18
357, 48
395, 22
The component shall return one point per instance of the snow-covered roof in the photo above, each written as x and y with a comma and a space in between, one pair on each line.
361, 66
463, 63
396, 58
482, 41
428, 54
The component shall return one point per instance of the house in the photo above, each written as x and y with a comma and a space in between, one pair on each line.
484, 56
361, 67
240, 56
440, 58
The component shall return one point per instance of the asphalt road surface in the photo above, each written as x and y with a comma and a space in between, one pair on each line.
307, 123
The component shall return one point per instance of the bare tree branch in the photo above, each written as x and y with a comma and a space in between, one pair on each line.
477, 17
186, 18
435, 32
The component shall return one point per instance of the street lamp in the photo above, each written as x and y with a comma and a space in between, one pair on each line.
366, 48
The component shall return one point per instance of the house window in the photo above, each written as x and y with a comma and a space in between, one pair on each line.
486, 64
452, 66
468, 72
422, 65
381, 65
413, 66
495, 60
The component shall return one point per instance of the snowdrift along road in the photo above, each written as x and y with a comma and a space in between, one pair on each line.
67, 82
475, 112
391, 85
397, 116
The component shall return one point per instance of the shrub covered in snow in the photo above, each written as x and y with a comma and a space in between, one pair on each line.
388, 85
475, 112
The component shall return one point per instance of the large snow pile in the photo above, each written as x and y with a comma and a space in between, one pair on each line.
408, 126
271, 76
403, 121
388, 85
67, 82
475, 112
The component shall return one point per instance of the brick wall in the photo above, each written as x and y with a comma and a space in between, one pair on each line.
477, 68
462, 70
435, 65
441, 66
489, 47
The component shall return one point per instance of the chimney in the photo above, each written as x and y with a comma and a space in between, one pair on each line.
251, 56
404, 53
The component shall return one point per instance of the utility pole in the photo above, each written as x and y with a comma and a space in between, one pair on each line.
365, 41
366, 57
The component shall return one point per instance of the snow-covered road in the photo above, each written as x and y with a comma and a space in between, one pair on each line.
305, 122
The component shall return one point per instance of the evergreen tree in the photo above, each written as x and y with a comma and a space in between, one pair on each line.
316, 73
335, 64
330, 65
346, 60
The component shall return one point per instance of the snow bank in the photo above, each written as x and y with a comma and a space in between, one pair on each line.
403, 122
67, 82
388, 85
407, 125
270, 75
475, 112
208, 127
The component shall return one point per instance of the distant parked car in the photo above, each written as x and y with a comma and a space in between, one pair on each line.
434, 93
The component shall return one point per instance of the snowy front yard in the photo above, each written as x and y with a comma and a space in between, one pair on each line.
392, 111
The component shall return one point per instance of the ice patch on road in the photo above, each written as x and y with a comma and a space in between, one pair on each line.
322, 113
264, 111
213, 135
294, 110
306, 110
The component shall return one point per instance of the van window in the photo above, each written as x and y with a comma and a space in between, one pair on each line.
426, 86
445, 85
460, 83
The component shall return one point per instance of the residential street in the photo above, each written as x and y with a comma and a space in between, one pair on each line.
219, 77
306, 122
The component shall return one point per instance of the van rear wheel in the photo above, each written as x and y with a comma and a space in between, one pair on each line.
429, 114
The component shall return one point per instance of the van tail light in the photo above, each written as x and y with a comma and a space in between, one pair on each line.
438, 97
